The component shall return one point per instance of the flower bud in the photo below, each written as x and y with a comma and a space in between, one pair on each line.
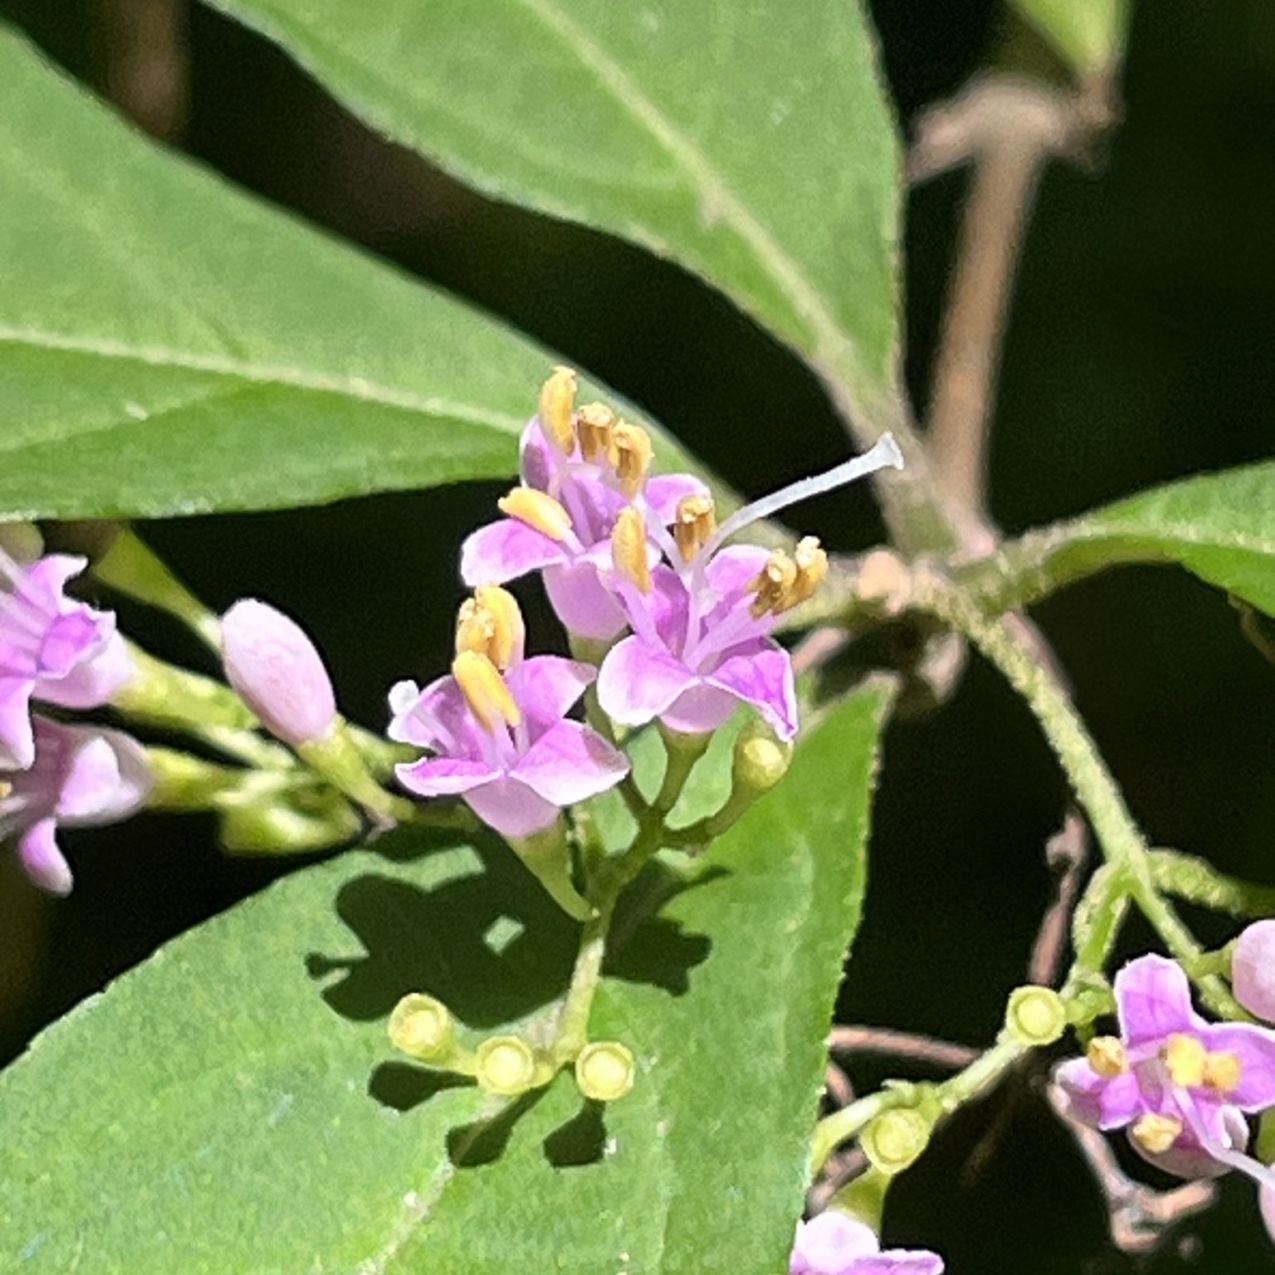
277, 672
1035, 1015
761, 758
505, 1065
605, 1071
895, 1139
422, 1027
1253, 970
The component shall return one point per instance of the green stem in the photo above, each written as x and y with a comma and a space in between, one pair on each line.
1197, 881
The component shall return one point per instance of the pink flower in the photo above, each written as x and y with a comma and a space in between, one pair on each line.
498, 728
701, 626
579, 470
1179, 1084
1253, 969
52, 648
834, 1244
80, 776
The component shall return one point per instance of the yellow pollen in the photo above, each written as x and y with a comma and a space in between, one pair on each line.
485, 691
1184, 1057
696, 521
1222, 1072
773, 583
537, 509
5, 789
1156, 1134
630, 455
812, 566
628, 548
557, 398
593, 428
1106, 1055
490, 624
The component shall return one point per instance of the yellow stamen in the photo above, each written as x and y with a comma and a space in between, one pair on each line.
628, 548
772, 584
593, 428
1184, 1057
1156, 1134
1222, 1071
812, 566
5, 789
537, 509
557, 398
485, 691
1106, 1055
490, 624
630, 455
696, 521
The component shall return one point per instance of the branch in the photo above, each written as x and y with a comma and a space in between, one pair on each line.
899, 1044
1066, 853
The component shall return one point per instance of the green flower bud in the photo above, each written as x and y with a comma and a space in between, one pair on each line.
506, 1065
422, 1027
605, 1071
548, 857
761, 758
895, 1139
1035, 1015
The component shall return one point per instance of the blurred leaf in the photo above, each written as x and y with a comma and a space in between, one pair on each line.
1220, 526
751, 142
230, 1105
170, 346
1088, 34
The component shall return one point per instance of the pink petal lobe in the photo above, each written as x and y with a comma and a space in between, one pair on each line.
700, 709
509, 806
546, 687
665, 492
504, 550
444, 776
570, 763
582, 602
92, 682
1153, 999
42, 860
1254, 1046
1103, 1102
831, 1244
17, 743
761, 674
639, 680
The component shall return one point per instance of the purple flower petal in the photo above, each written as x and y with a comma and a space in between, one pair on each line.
1188, 1158
699, 710
547, 686
444, 776
665, 492
506, 549
92, 682
734, 568
570, 763
760, 674
535, 461
1254, 1046
510, 807
435, 718
17, 743
639, 680
41, 859
72, 636
45, 580
1267, 1200
898, 1261
1104, 1102
582, 601
1153, 1000
831, 1244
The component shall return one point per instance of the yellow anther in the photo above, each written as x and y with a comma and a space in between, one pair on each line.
630, 455
593, 428
696, 521
1222, 1072
1156, 1134
557, 398
812, 566
1184, 1057
537, 509
5, 789
490, 624
773, 583
485, 691
1106, 1055
628, 548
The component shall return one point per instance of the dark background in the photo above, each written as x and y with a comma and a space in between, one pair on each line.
1139, 351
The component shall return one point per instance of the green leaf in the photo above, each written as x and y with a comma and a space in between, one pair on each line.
1089, 35
232, 1104
751, 142
1219, 526
169, 346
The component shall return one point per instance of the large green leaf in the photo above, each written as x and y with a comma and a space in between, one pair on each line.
231, 1105
170, 346
1220, 526
1088, 34
748, 140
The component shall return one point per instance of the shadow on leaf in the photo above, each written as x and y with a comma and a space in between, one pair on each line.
403, 1086
579, 1142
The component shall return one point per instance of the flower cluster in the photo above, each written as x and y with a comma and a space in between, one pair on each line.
62, 653
619, 549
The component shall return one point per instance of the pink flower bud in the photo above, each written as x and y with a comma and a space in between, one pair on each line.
277, 672
1253, 970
